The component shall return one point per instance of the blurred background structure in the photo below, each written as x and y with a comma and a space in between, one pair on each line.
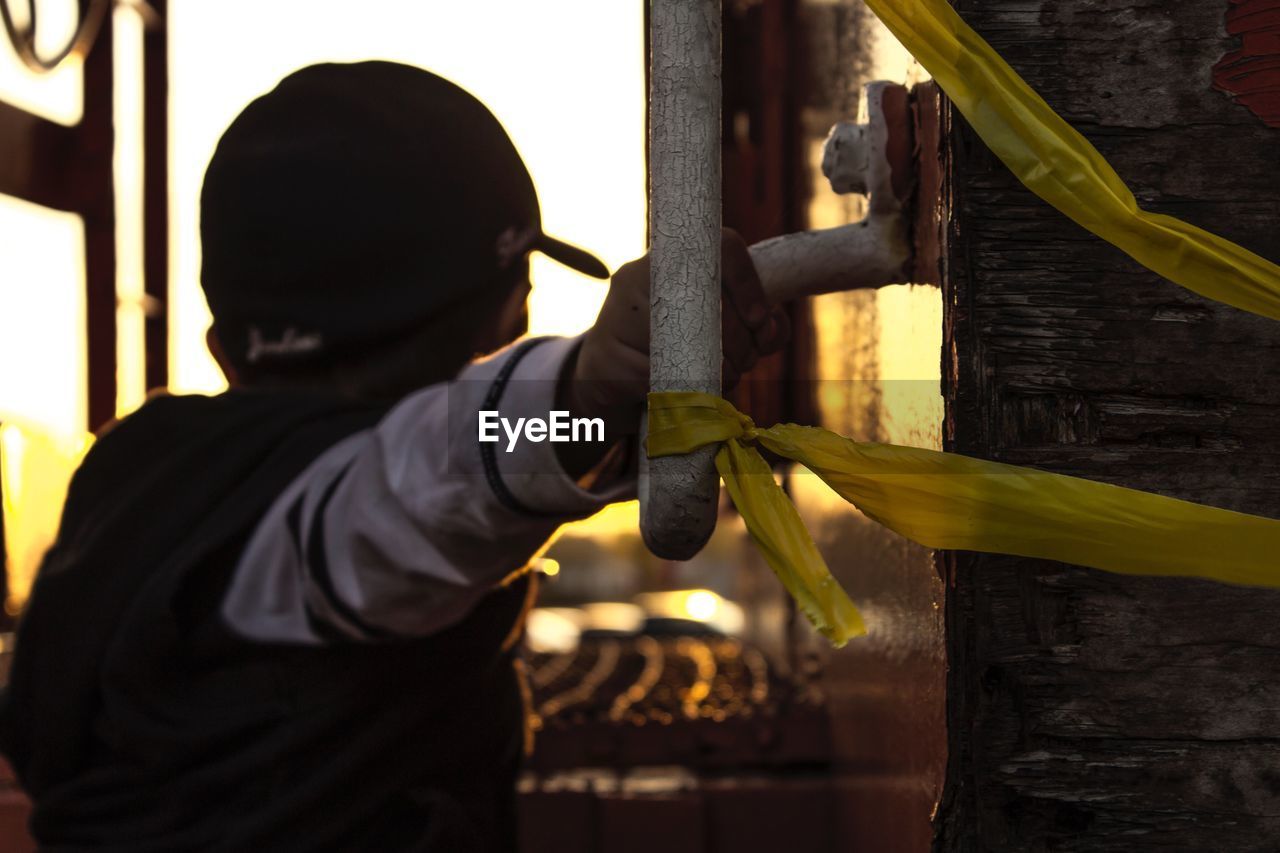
679, 706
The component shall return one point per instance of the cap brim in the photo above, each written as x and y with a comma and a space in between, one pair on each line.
571, 256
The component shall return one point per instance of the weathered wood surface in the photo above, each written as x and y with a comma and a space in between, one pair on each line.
1089, 711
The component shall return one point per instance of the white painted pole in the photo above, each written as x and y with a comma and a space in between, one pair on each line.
679, 494
858, 158
867, 254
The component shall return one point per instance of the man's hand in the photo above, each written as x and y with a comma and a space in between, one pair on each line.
610, 376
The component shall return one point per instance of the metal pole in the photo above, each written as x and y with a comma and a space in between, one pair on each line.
679, 494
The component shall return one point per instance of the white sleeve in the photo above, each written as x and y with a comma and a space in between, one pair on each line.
399, 530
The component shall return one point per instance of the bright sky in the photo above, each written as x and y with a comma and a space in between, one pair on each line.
42, 278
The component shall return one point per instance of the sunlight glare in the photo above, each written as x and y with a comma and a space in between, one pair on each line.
42, 331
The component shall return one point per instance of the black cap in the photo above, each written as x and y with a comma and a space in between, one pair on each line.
353, 202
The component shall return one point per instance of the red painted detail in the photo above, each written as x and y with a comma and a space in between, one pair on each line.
1252, 73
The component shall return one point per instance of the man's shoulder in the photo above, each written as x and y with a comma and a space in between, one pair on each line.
166, 420
168, 423
165, 408
175, 433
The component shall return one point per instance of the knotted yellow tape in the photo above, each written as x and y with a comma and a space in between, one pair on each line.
1058, 164
944, 500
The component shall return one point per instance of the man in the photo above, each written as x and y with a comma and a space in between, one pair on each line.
282, 618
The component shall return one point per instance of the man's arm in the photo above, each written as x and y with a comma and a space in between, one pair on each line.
401, 529
609, 375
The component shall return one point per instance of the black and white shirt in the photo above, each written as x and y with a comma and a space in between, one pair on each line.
400, 529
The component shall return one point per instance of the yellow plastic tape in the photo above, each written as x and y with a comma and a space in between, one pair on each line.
944, 500
1058, 164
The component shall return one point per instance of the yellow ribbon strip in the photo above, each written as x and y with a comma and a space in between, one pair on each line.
1058, 164
944, 500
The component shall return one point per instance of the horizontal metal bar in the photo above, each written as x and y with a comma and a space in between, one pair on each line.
38, 160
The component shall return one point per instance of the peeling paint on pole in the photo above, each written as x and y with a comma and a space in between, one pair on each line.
679, 494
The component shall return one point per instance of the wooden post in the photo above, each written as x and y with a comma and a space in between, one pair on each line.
1090, 711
